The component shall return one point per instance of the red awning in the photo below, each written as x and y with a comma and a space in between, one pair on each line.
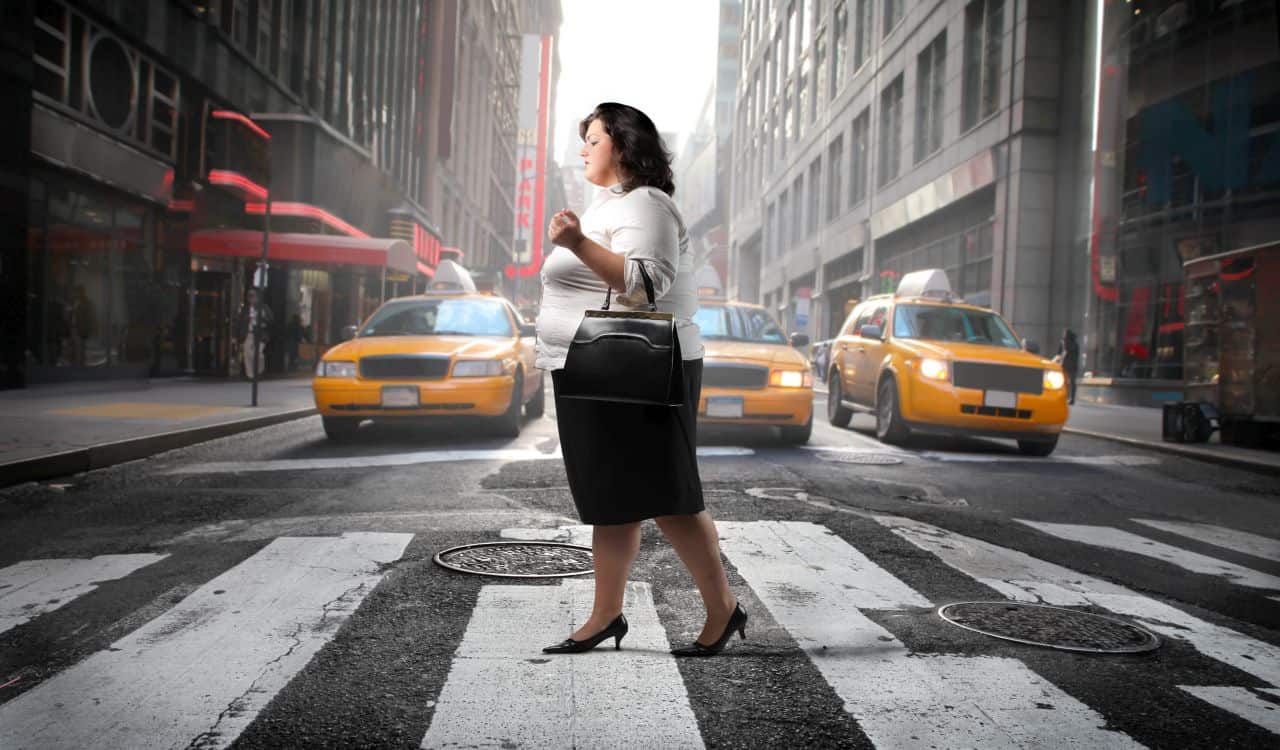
376, 252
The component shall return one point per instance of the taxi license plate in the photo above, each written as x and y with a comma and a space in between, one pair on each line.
1000, 399
724, 406
399, 397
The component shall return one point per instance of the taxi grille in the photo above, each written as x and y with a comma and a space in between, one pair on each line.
988, 377
726, 375
404, 367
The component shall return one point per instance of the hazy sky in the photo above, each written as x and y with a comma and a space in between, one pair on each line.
658, 55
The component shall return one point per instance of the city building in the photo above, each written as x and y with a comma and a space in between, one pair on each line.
1060, 160
379, 137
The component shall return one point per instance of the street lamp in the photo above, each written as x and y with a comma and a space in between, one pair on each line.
260, 282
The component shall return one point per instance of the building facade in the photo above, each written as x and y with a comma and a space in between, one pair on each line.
160, 137
1060, 160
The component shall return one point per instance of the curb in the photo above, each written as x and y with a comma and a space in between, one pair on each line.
1222, 459
118, 452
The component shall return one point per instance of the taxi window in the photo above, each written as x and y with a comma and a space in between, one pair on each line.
440, 317
871, 315
728, 322
713, 322
850, 327
938, 323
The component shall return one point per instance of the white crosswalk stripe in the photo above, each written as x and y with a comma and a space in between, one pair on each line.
1232, 539
33, 587
1119, 539
500, 694
202, 671
816, 585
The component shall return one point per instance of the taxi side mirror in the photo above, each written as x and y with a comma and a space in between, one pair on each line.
527, 330
1031, 346
871, 332
799, 339
347, 333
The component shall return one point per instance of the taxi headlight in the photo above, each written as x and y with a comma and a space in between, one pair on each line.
790, 379
477, 368
933, 369
1054, 380
336, 370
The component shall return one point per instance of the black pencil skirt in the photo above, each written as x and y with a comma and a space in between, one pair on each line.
628, 462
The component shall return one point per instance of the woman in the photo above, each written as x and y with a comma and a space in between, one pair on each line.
627, 463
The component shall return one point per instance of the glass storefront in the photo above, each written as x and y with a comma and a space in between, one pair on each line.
94, 293
1185, 163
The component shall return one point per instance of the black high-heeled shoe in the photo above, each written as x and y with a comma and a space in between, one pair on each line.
615, 630
737, 621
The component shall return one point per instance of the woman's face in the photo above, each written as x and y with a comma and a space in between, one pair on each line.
600, 163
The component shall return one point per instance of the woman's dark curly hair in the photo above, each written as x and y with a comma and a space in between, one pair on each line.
642, 156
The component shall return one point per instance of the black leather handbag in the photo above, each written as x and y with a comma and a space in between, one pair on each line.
625, 356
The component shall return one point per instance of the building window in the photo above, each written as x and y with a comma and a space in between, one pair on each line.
784, 222
835, 162
797, 209
770, 230
892, 14
262, 53
890, 131
815, 197
788, 118
859, 148
803, 105
839, 47
861, 32
931, 73
983, 36
819, 73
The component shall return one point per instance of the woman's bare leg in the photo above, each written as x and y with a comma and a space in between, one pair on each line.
613, 550
695, 540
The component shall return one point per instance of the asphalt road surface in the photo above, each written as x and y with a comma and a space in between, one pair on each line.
275, 590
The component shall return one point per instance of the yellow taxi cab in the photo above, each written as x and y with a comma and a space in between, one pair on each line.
752, 374
446, 352
922, 361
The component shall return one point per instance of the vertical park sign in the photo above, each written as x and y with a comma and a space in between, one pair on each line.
531, 157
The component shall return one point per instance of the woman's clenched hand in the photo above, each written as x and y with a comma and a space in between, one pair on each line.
565, 230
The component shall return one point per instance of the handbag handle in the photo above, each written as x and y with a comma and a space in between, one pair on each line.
648, 289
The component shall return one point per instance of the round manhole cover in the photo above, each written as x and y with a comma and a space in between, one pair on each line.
518, 559
864, 459
1055, 627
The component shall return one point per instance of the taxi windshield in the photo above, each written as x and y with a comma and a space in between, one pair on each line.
730, 323
938, 323
440, 317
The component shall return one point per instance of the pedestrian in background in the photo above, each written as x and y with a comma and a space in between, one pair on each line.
253, 326
1069, 356
627, 463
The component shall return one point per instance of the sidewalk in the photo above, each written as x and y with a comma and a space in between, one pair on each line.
55, 430
1138, 425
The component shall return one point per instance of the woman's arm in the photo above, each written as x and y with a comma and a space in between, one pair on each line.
566, 231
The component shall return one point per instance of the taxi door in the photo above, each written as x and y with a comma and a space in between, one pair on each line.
844, 349
867, 353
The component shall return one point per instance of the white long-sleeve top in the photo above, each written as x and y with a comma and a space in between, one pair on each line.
643, 225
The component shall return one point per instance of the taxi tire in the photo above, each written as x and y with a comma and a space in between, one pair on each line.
508, 425
340, 429
1039, 448
537, 406
837, 413
797, 435
890, 427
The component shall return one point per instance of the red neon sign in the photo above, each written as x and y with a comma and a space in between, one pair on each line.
226, 114
306, 210
251, 189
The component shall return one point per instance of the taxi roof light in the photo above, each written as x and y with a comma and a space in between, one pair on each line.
931, 283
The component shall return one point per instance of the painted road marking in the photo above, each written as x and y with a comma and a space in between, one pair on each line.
409, 459
1220, 536
815, 585
479, 519
145, 410
1118, 539
502, 692
1022, 577
33, 587
1242, 702
201, 672
575, 534
1012, 458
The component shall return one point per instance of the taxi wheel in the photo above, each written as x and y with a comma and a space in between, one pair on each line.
537, 406
1037, 447
508, 425
797, 435
889, 425
837, 413
340, 428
